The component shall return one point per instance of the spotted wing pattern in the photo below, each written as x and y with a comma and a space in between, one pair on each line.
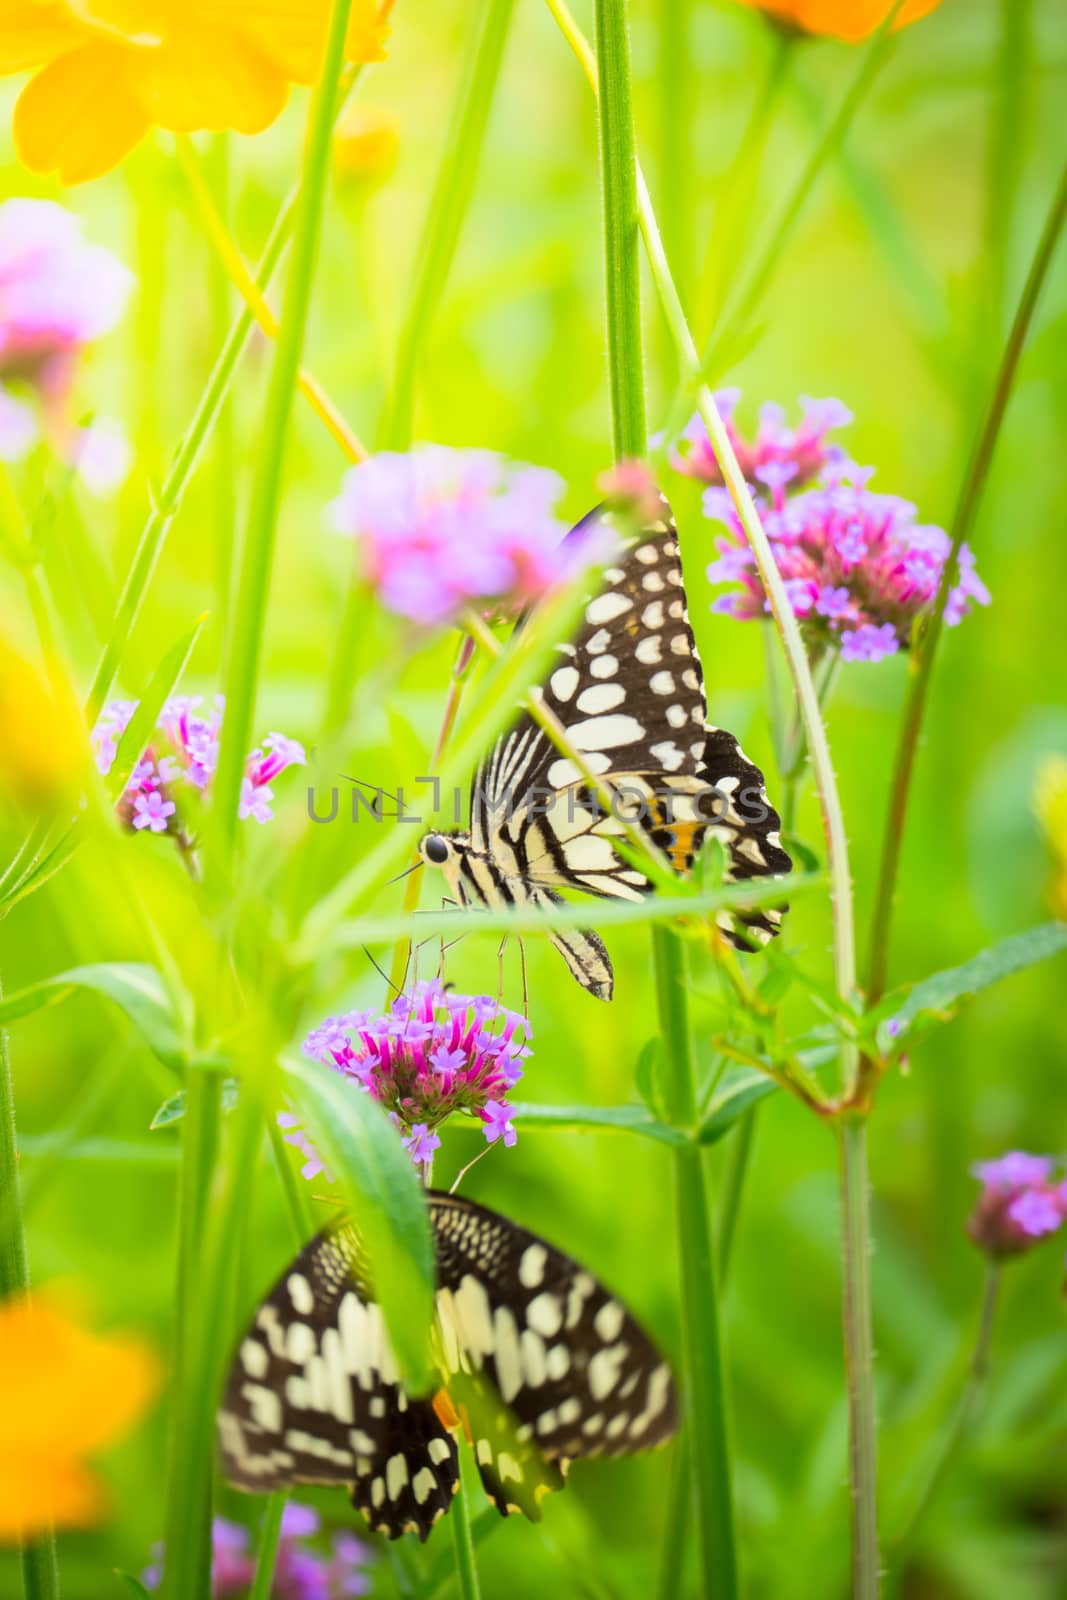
314, 1396
537, 1362
629, 692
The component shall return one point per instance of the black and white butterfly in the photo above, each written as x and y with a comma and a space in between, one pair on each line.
629, 691
536, 1361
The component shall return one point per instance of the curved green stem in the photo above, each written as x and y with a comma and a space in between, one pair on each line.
859, 1356
257, 556
922, 661
448, 207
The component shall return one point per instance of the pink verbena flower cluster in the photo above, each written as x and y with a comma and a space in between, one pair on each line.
432, 1054
795, 455
1021, 1203
58, 294
858, 569
301, 1572
183, 755
440, 529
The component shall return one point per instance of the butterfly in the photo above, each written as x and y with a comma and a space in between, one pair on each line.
537, 1361
629, 691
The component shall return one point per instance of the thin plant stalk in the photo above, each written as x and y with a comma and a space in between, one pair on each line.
224, 453
922, 660
859, 1354
733, 1189
40, 1575
963, 1417
467, 1584
676, 75
238, 273
733, 207
267, 1554
704, 1370
737, 319
676, 1522
449, 202
257, 556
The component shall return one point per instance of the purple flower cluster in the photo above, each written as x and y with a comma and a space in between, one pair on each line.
858, 569
777, 454
1020, 1204
433, 1053
57, 295
300, 1573
440, 529
185, 754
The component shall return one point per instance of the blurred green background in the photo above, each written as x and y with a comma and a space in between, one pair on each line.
893, 294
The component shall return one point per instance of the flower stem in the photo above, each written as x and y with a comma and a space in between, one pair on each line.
40, 1575
736, 322
706, 1422
246, 641
734, 1188
267, 1554
467, 1583
234, 267
963, 1417
448, 207
922, 660
676, 73
859, 1355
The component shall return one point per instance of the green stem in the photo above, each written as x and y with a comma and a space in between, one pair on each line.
168, 501
706, 1422
449, 202
733, 209
922, 660
267, 1555
224, 475
676, 1523
618, 172
676, 181
257, 556
466, 1570
737, 320
859, 1356
40, 1576
963, 1417
734, 1188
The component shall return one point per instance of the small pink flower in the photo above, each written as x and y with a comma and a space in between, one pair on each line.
151, 811
1019, 1205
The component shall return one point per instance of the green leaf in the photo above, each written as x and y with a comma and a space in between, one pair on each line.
173, 1108
143, 722
136, 989
131, 1584
363, 1151
607, 1119
647, 1075
935, 998
738, 1095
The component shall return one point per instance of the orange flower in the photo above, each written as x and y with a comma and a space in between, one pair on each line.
841, 19
108, 70
63, 1394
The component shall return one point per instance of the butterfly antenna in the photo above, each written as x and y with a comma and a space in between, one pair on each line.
379, 969
362, 783
473, 1162
414, 867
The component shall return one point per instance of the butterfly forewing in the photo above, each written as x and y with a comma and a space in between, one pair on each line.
538, 1363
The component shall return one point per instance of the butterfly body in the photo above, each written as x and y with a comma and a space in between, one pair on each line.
628, 691
536, 1359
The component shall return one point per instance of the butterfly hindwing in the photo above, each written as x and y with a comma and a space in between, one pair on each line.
314, 1396
537, 1361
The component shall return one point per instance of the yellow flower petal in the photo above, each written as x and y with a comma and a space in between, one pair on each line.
64, 1392
293, 32
41, 1492
45, 745
32, 35
207, 78
77, 117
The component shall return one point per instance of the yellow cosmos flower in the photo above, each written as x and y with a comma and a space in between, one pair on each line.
105, 71
63, 1395
1050, 804
841, 19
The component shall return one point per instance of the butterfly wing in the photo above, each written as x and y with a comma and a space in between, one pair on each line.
313, 1396
570, 1371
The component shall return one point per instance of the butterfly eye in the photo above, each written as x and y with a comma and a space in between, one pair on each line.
436, 849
